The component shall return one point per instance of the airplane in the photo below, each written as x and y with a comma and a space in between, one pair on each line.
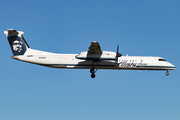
92, 59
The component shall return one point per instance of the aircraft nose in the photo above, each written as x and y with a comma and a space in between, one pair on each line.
173, 67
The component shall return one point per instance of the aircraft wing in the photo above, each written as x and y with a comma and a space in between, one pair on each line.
94, 48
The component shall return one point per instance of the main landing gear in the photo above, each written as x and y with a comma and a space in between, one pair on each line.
167, 73
92, 71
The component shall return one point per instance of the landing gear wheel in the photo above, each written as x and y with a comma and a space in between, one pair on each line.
93, 75
167, 73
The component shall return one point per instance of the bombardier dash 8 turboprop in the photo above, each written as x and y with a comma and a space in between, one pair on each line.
92, 59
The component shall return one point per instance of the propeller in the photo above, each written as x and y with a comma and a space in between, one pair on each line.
117, 53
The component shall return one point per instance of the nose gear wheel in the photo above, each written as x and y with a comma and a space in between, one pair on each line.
167, 73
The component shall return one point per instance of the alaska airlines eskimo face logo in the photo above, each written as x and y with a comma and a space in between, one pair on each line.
17, 46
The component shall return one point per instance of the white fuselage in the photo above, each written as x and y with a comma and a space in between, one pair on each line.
70, 61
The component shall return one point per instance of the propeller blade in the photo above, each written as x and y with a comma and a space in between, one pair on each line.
117, 49
117, 53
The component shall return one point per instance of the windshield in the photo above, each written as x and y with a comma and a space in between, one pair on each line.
162, 60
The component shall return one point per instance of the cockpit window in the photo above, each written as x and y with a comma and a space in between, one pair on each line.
162, 60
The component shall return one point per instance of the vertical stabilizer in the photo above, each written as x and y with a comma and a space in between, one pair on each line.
16, 41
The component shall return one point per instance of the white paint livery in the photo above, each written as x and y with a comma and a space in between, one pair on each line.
93, 59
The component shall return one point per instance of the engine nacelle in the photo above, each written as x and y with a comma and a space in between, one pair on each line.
105, 55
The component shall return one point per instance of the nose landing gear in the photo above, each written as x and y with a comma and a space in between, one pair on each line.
167, 73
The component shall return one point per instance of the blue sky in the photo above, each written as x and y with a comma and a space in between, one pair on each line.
141, 28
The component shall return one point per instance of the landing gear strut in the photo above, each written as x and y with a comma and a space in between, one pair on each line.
167, 73
92, 70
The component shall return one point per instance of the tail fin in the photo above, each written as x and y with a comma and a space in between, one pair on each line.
16, 41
